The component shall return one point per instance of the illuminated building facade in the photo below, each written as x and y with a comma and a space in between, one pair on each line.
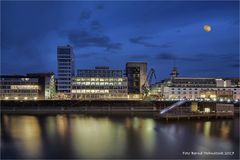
218, 89
46, 82
99, 71
66, 70
34, 86
18, 87
99, 83
136, 72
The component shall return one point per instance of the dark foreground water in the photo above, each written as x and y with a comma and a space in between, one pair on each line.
116, 136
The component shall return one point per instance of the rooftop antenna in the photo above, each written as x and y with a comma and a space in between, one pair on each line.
174, 72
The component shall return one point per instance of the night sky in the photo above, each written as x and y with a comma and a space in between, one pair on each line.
112, 33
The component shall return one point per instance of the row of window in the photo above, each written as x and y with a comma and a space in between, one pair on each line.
64, 71
18, 91
99, 83
99, 87
99, 96
184, 93
64, 75
65, 67
98, 79
66, 79
64, 64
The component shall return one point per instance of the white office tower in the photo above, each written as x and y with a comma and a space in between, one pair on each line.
66, 70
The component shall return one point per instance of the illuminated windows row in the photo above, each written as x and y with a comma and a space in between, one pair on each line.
89, 91
98, 79
20, 98
98, 83
24, 87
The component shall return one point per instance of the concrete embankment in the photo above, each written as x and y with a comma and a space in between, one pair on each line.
75, 106
69, 106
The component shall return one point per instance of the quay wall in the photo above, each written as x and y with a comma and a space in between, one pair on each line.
73, 106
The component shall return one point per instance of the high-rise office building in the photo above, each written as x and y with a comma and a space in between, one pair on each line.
66, 69
136, 73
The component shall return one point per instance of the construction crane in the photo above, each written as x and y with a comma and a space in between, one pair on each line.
148, 82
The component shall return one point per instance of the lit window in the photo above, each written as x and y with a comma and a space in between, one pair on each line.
206, 110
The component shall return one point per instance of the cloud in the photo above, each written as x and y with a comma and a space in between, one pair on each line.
96, 25
179, 31
166, 45
166, 56
142, 40
170, 56
84, 39
85, 15
234, 22
100, 7
235, 65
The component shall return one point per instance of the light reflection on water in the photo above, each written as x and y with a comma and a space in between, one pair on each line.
25, 131
79, 136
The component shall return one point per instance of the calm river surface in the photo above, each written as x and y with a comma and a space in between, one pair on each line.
115, 136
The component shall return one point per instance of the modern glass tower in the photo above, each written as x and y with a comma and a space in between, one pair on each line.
66, 69
136, 73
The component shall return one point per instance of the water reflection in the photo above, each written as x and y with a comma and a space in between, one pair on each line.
82, 136
25, 131
225, 129
94, 138
62, 127
207, 128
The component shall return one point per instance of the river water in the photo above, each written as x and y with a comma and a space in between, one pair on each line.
116, 136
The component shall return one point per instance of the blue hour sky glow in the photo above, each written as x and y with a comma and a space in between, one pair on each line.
112, 33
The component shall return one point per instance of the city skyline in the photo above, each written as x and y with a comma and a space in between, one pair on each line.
114, 33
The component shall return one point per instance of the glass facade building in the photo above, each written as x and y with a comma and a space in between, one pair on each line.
66, 69
100, 71
99, 83
136, 73
19, 87
46, 82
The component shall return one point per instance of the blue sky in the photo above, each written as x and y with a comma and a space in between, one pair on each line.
112, 33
